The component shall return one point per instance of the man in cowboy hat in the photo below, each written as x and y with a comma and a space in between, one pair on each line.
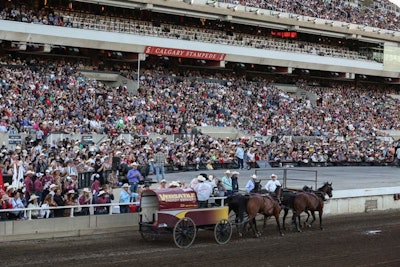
251, 184
134, 176
272, 184
204, 191
101, 199
126, 197
227, 182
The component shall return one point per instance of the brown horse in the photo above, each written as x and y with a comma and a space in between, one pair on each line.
267, 205
310, 201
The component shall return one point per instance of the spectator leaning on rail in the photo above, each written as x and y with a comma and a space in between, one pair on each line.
204, 191
126, 197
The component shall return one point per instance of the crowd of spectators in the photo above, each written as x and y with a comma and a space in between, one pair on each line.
42, 96
377, 14
68, 18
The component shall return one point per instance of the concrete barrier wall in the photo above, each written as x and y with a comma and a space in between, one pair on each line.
342, 202
63, 227
362, 200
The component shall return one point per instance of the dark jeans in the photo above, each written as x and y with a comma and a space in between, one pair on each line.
124, 208
203, 204
134, 187
240, 163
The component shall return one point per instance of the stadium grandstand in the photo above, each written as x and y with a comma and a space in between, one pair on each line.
302, 83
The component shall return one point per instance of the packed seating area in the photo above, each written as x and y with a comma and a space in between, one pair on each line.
377, 14
204, 33
59, 99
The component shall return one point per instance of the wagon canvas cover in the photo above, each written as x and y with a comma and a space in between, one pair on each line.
174, 198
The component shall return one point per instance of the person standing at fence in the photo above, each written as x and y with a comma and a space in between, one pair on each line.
159, 162
240, 155
227, 182
38, 185
101, 199
126, 197
28, 183
134, 176
85, 199
95, 187
60, 200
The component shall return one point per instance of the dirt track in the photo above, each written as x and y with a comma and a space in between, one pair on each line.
362, 240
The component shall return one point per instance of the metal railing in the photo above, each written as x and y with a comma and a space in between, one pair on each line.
28, 211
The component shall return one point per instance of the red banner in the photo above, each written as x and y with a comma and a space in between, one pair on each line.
173, 52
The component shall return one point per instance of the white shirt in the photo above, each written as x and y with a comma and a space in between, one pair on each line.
250, 185
203, 190
271, 185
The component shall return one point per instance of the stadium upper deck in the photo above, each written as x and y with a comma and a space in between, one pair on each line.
362, 54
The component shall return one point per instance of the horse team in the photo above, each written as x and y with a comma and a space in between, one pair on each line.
299, 201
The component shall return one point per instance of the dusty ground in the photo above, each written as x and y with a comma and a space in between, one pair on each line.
364, 240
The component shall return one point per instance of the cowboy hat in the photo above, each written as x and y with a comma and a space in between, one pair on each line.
273, 175
174, 184
125, 185
33, 197
201, 178
87, 190
228, 171
102, 192
254, 176
235, 172
72, 191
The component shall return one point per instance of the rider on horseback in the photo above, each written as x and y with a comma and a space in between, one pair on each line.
272, 185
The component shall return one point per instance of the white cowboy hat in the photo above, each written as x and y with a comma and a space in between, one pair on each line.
227, 171
32, 198
102, 192
174, 184
254, 176
125, 185
72, 191
87, 190
201, 178
273, 175
235, 172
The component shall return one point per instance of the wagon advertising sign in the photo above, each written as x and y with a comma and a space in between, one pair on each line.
176, 199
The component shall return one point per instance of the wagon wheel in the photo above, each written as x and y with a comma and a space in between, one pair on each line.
223, 232
184, 233
148, 234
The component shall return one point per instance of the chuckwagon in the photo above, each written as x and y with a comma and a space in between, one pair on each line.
174, 211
